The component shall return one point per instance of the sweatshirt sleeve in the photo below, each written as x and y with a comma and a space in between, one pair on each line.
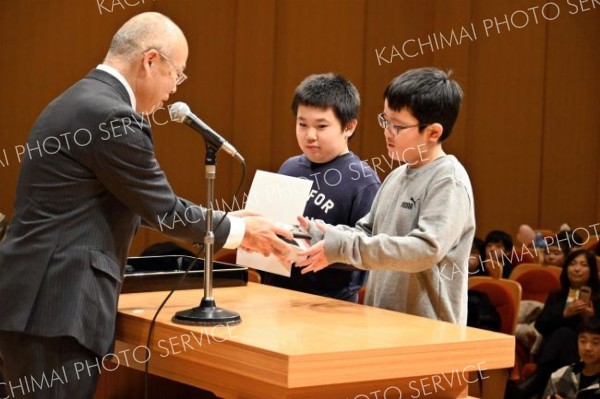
444, 210
363, 226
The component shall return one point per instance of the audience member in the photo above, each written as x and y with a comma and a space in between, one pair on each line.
581, 379
560, 317
498, 250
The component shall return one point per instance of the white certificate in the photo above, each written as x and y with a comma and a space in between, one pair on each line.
282, 199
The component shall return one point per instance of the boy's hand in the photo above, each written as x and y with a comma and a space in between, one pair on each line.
315, 255
305, 224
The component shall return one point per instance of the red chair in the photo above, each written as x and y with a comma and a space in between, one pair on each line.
557, 270
536, 281
505, 295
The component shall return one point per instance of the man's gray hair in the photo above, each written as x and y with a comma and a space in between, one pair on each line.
142, 32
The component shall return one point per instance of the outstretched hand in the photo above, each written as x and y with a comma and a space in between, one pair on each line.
261, 236
315, 258
304, 223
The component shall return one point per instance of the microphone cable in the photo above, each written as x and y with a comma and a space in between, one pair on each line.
178, 282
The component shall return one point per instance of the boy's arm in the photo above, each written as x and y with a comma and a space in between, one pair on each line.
315, 229
363, 226
443, 215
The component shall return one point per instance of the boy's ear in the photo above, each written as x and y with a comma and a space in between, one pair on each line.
350, 127
434, 131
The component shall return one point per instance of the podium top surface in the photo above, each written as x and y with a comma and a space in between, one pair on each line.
289, 323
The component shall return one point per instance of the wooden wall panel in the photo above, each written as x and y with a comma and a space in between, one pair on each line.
506, 76
453, 17
389, 23
47, 47
571, 120
254, 88
209, 27
312, 36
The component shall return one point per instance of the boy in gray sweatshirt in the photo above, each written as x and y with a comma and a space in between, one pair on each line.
417, 237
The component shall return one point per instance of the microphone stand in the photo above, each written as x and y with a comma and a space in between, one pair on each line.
208, 314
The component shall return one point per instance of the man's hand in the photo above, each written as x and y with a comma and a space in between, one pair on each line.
315, 255
261, 237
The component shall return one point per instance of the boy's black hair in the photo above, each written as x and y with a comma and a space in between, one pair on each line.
566, 239
593, 283
479, 245
430, 96
328, 90
590, 325
499, 236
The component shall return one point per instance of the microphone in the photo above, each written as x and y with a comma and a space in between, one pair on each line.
180, 112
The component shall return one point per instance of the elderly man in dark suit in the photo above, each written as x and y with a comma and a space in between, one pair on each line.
89, 179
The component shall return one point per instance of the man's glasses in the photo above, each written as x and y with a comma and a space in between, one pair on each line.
385, 124
181, 77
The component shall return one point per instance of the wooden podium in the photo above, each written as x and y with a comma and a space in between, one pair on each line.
295, 345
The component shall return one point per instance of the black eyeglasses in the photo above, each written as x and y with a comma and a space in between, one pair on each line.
385, 124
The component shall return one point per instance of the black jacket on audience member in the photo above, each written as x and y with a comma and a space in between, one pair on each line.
551, 318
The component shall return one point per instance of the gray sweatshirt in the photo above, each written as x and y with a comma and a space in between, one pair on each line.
416, 241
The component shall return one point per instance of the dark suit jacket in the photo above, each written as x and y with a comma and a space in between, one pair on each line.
77, 208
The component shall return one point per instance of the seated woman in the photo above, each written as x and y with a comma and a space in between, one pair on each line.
553, 252
560, 318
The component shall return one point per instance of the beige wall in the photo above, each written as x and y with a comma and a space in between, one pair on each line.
529, 132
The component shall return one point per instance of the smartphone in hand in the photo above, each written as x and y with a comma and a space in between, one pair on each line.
585, 294
296, 230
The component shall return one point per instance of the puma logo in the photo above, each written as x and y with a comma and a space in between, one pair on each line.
409, 205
